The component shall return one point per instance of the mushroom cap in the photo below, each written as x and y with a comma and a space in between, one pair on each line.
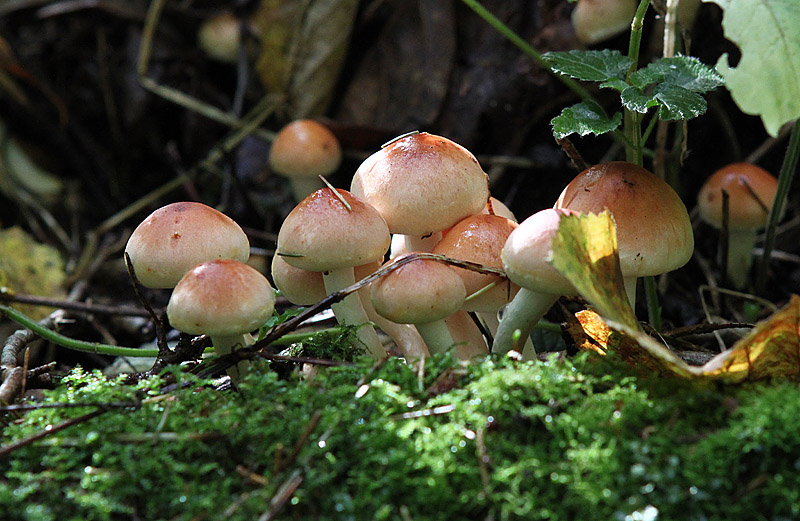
422, 183
328, 236
480, 238
220, 36
654, 233
221, 297
751, 192
178, 236
300, 287
419, 292
596, 20
526, 253
305, 148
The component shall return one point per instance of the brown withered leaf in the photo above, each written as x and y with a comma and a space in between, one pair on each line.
771, 350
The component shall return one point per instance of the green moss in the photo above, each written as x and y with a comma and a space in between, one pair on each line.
556, 440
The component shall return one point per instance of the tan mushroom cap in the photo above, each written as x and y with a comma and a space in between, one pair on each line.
480, 238
300, 287
422, 183
419, 292
526, 253
322, 234
178, 236
598, 20
305, 148
654, 233
751, 192
221, 297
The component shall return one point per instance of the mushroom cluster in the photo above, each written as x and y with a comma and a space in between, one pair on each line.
201, 253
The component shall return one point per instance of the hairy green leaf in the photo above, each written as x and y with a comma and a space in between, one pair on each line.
766, 81
677, 102
591, 65
685, 71
636, 100
584, 118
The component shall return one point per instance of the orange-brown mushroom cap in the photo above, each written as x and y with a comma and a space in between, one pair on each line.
654, 233
422, 183
751, 192
305, 148
180, 235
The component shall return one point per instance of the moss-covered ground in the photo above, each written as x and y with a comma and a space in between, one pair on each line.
559, 440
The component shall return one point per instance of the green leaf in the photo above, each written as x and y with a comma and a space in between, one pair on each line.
685, 71
678, 103
674, 101
584, 118
766, 82
602, 65
636, 100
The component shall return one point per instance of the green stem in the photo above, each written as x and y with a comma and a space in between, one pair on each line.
653, 307
788, 171
107, 349
525, 47
632, 120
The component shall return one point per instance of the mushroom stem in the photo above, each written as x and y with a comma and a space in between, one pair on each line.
436, 335
630, 284
492, 323
522, 313
424, 243
350, 311
225, 344
467, 336
405, 336
740, 256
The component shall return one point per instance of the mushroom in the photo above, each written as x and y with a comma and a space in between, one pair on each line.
422, 292
467, 336
220, 37
422, 184
751, 192
598, 20
654, 233
178, 236
302, 151
224, 299
525, 258
480, 238
303, 288
332, 232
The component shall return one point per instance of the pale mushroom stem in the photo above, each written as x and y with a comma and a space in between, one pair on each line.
424, 243
630, 284
740, 256
492, 322
522, 313
436, 335
405, 336
225, 344
350, 311
468, 338
302, 187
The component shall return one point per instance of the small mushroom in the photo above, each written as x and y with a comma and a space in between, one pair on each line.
598, 20
525, 260
422, 184
224, 299
178, 236
332, 232
654, 233
751, 192
302, 151
423, 293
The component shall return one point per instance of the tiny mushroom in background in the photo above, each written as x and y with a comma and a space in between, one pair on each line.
751, 192
654, 233
220, 36
332, 232
525, 258
422, 184
178, 236
224, 299
598, 20
302, 151
423, 293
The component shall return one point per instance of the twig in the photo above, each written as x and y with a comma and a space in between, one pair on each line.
71, 305
8, 449
286, 491
158, 322
300, 443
